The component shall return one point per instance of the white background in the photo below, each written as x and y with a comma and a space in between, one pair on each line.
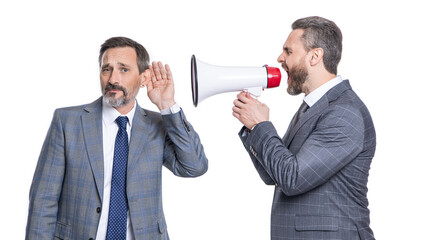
48, 59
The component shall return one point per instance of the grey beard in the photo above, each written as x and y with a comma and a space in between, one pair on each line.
115, 102
111, 99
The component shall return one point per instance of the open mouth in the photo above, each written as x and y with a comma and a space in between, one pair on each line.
289, 78
287, 71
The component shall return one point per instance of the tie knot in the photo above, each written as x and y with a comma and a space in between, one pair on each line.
122, 122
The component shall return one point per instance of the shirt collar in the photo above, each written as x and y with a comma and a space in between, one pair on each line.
109, 113
318, 93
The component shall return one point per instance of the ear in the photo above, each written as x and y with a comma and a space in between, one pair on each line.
145, 78
316, 56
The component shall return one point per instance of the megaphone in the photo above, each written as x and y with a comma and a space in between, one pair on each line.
208, 80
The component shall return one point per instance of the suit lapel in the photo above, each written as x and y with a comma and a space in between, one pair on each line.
317, 109
139, 137
92, 130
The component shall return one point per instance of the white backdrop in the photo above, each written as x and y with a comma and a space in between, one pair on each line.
48, 59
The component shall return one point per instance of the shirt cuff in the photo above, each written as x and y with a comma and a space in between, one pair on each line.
174, 109
246, 132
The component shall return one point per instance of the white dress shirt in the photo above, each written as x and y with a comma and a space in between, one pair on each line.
109, 131
318, 93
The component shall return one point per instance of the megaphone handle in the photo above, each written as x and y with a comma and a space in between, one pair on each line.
255, 92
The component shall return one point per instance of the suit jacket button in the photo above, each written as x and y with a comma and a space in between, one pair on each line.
98, 210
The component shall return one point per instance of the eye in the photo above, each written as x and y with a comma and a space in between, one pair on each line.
105, 70
124, 69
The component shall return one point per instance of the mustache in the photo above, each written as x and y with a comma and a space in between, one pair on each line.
109, 87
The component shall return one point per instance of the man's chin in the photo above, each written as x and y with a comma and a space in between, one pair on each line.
115, 102
292, 91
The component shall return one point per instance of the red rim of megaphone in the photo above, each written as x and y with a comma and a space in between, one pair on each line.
273, 77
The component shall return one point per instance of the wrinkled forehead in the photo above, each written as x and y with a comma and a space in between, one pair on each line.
119, 55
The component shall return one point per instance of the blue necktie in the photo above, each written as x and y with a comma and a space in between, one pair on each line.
117, 219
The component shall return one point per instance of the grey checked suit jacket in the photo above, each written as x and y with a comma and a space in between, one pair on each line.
320, 169
67, 189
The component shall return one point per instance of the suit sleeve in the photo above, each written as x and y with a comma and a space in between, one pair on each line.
47, 184
336, 140
260, 169
183, 152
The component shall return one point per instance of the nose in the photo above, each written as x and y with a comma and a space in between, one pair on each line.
281, 58
114, 77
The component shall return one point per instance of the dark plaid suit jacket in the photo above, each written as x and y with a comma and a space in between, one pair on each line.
320, 169
67, 189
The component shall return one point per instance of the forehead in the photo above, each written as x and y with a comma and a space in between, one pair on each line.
126, 55
294, 39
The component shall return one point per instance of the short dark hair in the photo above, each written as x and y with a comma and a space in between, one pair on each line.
142, 54
322, 33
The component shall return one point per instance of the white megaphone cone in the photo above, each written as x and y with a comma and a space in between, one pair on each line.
208, 80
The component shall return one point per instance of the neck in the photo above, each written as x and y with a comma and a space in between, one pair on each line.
316, 80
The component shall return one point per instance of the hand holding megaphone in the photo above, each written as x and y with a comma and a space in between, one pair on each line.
208, 80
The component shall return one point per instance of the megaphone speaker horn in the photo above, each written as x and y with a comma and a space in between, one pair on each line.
208, 80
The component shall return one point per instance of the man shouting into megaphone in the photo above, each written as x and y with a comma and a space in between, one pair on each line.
320, 168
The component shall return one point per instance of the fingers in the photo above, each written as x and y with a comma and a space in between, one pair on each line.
156, 71
245, 97
160, 72
168, 71
239, 104
243, 101
153, 78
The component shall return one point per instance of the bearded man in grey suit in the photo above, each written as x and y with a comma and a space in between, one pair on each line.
321, 166
97, 180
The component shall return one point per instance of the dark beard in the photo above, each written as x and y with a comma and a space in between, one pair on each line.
298, 76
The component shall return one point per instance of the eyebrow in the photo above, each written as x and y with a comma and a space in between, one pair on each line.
119, 63
123, 64
105, 66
